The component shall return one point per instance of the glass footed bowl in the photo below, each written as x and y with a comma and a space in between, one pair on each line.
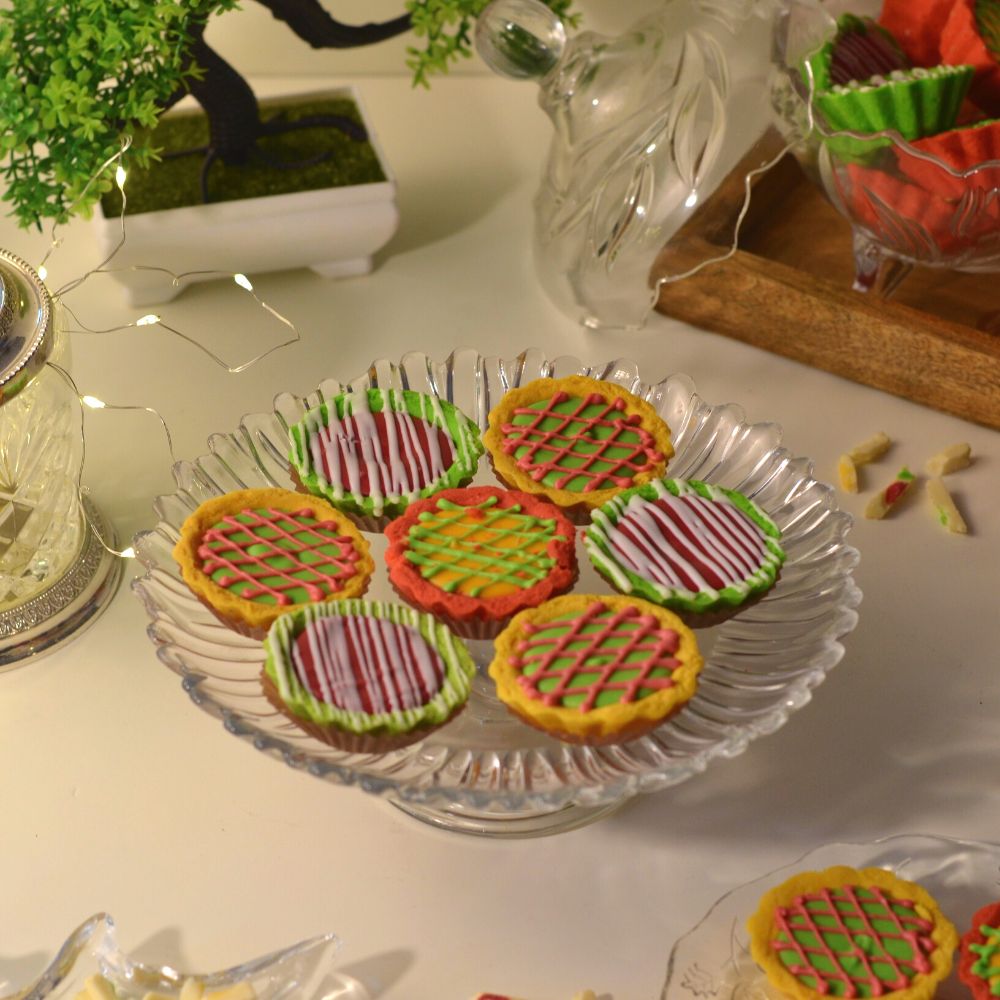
906, 206
713, 958
304, 970
486, 772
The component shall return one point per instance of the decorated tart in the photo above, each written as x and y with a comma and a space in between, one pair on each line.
474, 557
595, 669
979, 954
690, 546
365, 676
372, 452
847, 932
251, 555
576, 441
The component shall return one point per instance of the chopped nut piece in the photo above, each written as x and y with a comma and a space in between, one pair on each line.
875, 447
96, 987
950, 459
886, 499
947, 513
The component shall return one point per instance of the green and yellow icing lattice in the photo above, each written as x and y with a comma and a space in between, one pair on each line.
483, 550
987, 963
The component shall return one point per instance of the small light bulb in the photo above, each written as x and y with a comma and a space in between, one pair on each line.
691, 200
43, 272
243, 281
150, 319
128, 553
93, 402
120, 177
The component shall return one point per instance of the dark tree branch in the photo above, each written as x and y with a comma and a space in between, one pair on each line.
313, 24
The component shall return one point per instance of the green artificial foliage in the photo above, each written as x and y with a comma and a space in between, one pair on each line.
77, 76
444, 27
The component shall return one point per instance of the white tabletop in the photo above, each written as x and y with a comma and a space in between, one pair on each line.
119, 795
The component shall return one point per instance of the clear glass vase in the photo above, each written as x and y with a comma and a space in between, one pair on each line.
645, 126
54, 573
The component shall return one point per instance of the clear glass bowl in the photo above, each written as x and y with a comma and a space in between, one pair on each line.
713, 958
486, 772
906, 207
304, 971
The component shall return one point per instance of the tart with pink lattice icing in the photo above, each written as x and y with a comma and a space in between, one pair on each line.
365, 676
847, 932
372, 452
595, 669
576, 441
690, 546
251, 555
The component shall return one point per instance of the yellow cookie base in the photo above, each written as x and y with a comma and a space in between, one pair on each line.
609, 723
249, 617
763, 928
579, 386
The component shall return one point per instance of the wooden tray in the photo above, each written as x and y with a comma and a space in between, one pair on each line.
787, 289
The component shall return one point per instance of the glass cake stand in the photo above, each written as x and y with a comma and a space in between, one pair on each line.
713, 958
485, 772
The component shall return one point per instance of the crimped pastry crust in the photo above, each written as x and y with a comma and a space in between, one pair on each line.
476, 615
979, 984
576, 505
245, 616
604, 724
763, 928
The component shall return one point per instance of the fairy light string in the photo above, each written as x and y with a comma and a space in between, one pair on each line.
89, 402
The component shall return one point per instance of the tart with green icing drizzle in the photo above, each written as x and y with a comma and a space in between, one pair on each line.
847, 932
365, 676
474, 557
576, 441
688, 545
595, 669
979, 953
372, 452
251, 555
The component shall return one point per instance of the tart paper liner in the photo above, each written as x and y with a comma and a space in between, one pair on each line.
961, 43
916, 25
962, 150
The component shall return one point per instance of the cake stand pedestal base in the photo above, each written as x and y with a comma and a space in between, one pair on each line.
52, 617
506, 824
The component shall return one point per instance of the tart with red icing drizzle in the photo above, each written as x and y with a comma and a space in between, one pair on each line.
251, 555
474, 557
595, 669
847, 932
690, 546
576, 441
365, 676
372, 452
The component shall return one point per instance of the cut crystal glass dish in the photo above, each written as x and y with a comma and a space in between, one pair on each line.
304, 970
713, 958
486, 772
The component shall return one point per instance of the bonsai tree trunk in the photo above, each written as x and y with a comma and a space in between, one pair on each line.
230, 104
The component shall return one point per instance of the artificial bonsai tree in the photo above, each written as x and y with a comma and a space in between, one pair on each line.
79, 74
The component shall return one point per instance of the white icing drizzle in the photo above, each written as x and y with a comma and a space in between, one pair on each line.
712, 536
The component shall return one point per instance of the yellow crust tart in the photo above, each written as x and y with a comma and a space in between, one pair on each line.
576, 441
847, 932
252, 555
595, 669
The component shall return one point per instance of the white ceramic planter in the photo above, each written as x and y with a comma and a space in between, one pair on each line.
334, 231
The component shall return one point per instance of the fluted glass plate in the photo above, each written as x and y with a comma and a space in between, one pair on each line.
486, 772
304, 970
713, 958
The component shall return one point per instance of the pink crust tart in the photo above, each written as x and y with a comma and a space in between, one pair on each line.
365, 676
474, 557
252, 555
979, 954
576, 441
847, 932
595, 669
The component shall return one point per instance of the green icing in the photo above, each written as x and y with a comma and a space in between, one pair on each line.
582, 450
988, 954
435, 552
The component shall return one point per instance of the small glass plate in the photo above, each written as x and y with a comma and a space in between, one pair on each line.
486, 772
303, 971
713, 959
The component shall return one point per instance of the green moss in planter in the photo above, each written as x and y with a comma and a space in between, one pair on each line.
174, 182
